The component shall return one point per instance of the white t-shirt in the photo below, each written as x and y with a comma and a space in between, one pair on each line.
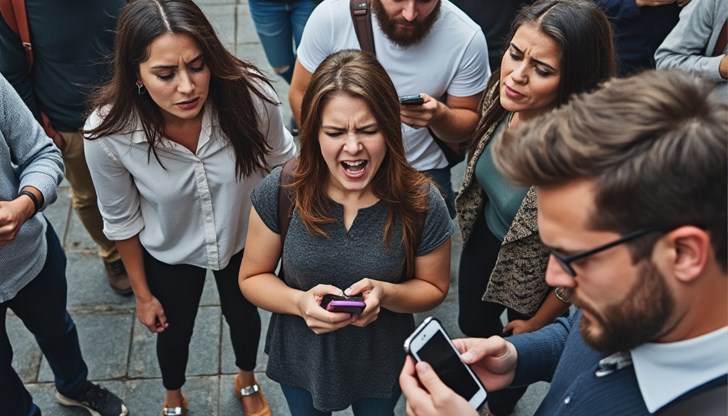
193, 209
452, 59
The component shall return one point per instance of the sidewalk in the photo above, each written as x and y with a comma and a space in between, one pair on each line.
120, 352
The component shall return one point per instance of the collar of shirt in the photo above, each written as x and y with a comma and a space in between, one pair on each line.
686, 364
138, 136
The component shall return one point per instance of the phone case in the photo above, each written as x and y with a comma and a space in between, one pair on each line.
411, 100
353, 304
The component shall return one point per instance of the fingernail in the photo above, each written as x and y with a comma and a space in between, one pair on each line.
422, 367
347, 291
467, 356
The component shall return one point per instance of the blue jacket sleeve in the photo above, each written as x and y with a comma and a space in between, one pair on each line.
539, 352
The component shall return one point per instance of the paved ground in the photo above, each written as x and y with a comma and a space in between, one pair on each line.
120, 352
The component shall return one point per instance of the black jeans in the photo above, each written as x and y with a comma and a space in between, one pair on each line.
476, 317
41, 305
179, 288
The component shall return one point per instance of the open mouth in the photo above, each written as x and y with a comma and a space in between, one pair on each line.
354, 168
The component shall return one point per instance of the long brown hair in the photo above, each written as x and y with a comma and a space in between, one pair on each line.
231, 84
405, 191
582, 31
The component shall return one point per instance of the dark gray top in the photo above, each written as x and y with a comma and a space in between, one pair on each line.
343, 366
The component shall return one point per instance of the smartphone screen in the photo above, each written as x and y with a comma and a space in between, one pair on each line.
430, 343
446, 363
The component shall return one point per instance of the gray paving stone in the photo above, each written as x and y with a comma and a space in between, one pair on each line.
105, 339
88, 287
77, 239
223, 19
58, 212
246, 33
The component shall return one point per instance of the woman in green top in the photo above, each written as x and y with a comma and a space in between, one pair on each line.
557, 48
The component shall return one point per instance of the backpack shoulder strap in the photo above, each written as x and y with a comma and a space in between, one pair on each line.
361, 16
285, 198
16, 17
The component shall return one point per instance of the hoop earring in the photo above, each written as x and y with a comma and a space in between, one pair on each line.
140, 88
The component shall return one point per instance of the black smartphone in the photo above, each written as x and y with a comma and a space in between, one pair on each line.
348, 304
411, 100
430, 343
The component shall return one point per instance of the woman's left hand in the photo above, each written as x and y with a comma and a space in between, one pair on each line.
371, 290
520, 326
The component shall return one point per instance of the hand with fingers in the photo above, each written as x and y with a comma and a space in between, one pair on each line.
419, 116
372, 292
492, 359
151, 315
13, 214
318, 319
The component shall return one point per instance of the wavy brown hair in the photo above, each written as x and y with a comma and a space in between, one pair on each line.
582, 31
232, 81
403, 189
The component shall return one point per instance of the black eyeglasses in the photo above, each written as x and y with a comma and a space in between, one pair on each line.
565, 261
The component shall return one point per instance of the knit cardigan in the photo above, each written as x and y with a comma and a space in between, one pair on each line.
517, 280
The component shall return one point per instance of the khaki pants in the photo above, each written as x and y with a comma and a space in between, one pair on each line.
83, 194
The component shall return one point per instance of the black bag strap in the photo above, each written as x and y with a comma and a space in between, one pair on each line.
711, 401
361, 16
285, 199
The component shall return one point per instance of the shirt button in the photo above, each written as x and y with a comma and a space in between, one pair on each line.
567, 399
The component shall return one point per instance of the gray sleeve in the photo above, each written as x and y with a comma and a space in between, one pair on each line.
265, 199
438, 224
37, 158
690, 43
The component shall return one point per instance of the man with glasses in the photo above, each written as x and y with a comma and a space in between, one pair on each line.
636, 221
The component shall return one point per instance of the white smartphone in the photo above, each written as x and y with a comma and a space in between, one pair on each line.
430, 343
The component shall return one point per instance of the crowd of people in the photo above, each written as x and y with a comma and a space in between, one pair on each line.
592, 210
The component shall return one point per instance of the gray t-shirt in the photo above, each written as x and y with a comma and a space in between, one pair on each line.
343, 366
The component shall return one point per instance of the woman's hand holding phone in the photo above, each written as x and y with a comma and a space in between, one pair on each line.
318, 319
372, 292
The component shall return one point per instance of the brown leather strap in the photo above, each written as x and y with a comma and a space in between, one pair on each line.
361, 16
13, 11
722, 40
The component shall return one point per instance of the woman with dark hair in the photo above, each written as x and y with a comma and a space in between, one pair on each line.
179, 137
364, 223
557, 48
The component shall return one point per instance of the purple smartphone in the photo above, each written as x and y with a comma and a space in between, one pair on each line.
348, 304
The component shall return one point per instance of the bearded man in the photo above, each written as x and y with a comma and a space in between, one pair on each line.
428, 47
632, 194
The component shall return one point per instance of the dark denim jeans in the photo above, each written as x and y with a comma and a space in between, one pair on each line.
300, 403
41, 305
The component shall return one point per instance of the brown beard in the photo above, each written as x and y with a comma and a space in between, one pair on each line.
416, 31
638, 319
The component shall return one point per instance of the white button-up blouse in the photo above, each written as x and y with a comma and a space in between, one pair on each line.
191, 208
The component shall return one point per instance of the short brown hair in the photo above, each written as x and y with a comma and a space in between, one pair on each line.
654, 144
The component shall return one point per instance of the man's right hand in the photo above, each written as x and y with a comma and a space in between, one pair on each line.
492, 359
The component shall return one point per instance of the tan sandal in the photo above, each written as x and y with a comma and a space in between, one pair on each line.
175, 411
241, 392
